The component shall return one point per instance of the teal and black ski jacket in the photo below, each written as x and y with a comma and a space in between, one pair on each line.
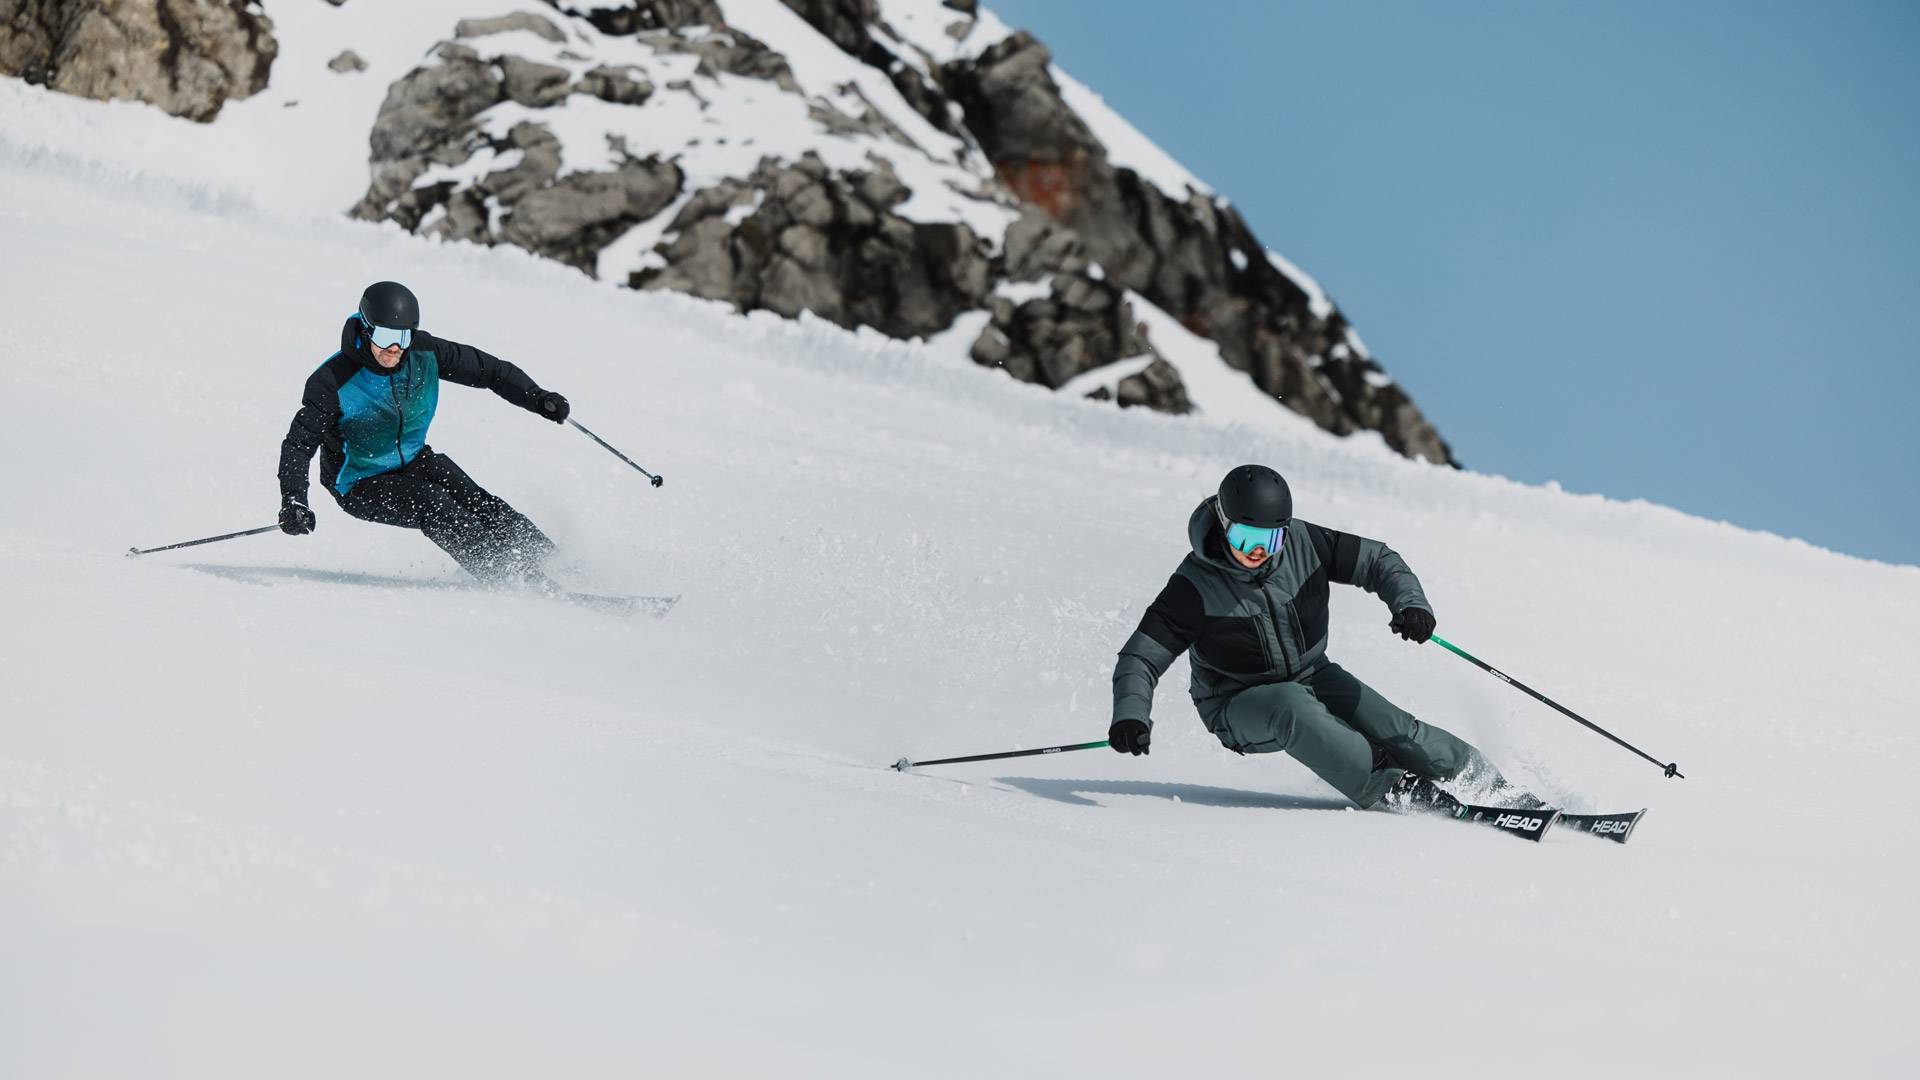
366, 420
1246, 627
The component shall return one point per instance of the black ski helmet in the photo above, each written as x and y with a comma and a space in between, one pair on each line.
1255, 495
390, 304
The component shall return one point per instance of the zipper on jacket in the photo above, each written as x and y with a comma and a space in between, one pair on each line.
400, 412
1273, 619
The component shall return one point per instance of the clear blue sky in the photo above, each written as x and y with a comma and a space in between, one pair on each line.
1667, 251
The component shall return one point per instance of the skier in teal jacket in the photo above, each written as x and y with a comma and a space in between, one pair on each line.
1249, 606
366, 410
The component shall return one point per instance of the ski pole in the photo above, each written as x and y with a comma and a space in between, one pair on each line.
657, 480
1671, 769
904, 765
131, 552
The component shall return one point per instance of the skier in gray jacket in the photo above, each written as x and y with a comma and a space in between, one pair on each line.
1250, 603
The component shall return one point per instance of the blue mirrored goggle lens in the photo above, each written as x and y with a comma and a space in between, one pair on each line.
384, 337
1244, 538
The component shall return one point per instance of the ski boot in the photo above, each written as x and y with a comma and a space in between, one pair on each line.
1413, 792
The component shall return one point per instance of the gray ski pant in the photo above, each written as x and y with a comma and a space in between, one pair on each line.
1330, 722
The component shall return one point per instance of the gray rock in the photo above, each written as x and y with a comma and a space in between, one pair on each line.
1037, 245
1084, 322
427, 117
650, 184
1014, 109
691, 27
735, 53
623, 85
700, 262
848, 24
429, 105
788, 288
817, 242
347, 61
836, 122
533, 85
810, 204
712, 202
844, 22
539, 164
519, 20
467, 218
188, 57
571, 219
879, 187
639, 16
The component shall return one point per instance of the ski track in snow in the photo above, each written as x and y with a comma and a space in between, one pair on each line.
263, 812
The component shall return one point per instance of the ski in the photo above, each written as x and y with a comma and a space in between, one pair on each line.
1614, 827
1528, 824
1525, 824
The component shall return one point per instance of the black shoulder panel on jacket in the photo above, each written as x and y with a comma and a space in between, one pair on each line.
1339, 551
469, 366
1175, 616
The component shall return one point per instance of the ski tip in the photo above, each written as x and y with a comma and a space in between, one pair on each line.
1615, 827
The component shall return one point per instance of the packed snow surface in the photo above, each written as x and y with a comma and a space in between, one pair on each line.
313, 807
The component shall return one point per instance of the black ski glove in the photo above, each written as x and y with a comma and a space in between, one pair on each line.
1130, 737
1414, 624
296, 519
551, 405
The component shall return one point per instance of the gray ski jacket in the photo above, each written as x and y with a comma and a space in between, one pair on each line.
1250, 627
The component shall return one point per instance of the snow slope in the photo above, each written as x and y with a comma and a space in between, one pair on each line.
309, 808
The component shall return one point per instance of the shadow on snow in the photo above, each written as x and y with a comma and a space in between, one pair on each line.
1075, 792
267, 575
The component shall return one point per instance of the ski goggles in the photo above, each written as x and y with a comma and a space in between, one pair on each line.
386, 337
1244, 538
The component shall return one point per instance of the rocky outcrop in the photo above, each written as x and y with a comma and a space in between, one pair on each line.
1083, 323
798, 236
1195, 258
1057, 287
188, 57
428, 119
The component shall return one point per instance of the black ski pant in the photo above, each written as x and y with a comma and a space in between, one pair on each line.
491, 540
